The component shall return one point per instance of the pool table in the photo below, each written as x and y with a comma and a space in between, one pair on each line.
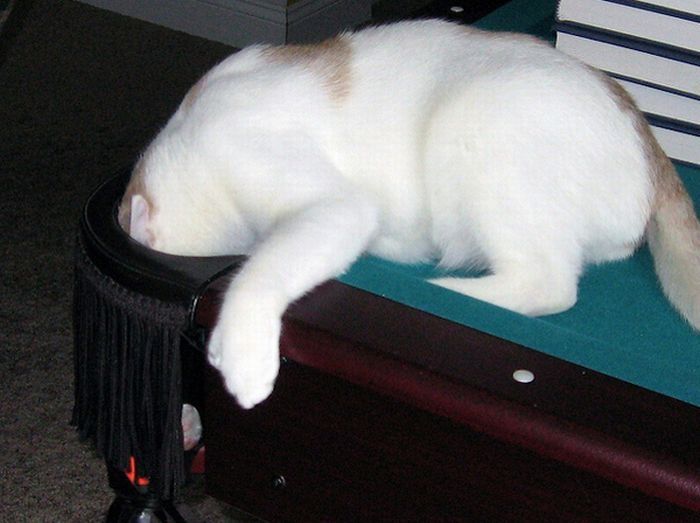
401, 401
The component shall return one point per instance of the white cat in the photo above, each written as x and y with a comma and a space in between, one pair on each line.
414, 141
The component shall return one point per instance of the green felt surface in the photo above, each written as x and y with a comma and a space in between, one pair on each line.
535, 17
622, 325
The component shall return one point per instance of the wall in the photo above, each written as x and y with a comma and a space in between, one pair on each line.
243, 22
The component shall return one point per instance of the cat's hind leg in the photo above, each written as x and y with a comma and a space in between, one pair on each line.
530, 288
506, 215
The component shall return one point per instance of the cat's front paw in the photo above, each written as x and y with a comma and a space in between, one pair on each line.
246, 352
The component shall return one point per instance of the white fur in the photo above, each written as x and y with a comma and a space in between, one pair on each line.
451, 144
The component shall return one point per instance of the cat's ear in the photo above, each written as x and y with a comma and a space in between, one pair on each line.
139, 227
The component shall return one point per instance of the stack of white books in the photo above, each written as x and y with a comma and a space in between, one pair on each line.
652, 47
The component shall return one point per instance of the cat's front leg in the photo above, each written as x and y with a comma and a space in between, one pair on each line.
244, 345
300, 252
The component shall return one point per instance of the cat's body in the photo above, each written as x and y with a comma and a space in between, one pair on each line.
416, 141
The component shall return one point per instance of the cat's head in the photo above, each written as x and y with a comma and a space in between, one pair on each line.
168, 209
177, 204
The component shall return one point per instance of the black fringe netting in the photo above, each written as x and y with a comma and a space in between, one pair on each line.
128, 375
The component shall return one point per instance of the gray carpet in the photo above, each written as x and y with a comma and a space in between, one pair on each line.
82, 90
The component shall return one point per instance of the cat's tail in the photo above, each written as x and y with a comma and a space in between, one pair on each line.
673, 234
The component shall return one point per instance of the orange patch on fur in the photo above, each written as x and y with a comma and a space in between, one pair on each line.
329, 59
667, 185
